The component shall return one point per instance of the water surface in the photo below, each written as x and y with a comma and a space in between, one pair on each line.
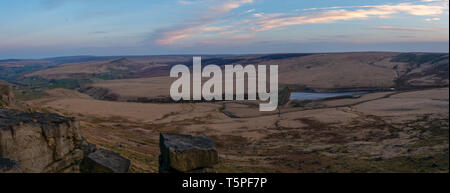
317, 95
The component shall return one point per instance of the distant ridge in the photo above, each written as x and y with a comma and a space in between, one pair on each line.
78, 59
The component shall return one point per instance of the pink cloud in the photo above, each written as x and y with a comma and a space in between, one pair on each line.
274, 21
400, 28
169, 36
263, 22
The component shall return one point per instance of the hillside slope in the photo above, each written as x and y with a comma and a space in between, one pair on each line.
320, 72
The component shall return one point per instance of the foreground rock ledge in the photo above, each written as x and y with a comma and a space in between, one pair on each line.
186, 153
104, 161
40, 142
49, 143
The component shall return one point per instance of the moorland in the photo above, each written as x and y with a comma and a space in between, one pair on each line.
399, 124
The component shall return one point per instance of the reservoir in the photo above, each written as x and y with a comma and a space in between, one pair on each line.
317, 95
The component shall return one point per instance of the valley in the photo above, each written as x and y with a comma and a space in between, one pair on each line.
399, 124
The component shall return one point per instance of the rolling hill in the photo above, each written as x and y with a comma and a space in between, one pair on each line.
145, 75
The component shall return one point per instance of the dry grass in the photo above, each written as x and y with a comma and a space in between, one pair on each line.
369, 134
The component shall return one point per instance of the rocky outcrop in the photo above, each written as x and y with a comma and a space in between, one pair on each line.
186, 153
104, 161
6, 94
40, 142
48, 143
88, 147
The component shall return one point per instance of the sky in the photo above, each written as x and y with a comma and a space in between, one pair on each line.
50, 28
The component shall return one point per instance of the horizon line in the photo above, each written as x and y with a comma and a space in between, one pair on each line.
224, 54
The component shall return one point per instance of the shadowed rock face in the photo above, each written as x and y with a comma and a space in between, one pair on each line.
104, 161
49, 143
6, 94
40, 142
9, 166
186, 153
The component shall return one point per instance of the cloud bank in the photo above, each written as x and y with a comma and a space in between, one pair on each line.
208, 24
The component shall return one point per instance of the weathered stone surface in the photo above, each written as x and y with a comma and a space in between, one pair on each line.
186, 153
104, 161
40, 142
9, 166
88, 147
6, 94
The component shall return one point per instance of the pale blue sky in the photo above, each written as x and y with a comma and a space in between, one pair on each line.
47, 28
